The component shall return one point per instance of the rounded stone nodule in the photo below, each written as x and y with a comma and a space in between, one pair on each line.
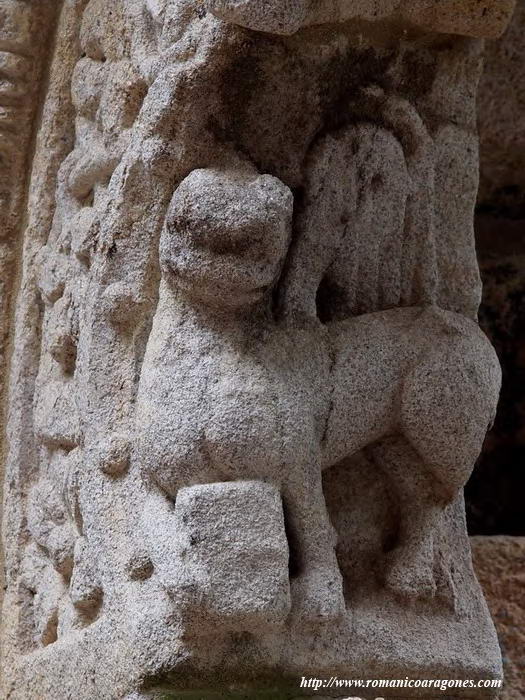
140, 567
113, 458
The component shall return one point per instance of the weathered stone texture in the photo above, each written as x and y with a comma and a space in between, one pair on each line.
500, 566
247, 385
24, 53
463, 17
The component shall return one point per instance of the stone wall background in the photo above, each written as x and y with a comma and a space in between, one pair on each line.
500, 566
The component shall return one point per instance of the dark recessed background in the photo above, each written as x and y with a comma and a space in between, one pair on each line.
496, 492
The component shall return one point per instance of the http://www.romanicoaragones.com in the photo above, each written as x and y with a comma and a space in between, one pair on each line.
334, 683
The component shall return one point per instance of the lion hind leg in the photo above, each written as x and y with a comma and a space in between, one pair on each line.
410, 564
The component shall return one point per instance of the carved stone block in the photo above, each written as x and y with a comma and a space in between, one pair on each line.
231, 568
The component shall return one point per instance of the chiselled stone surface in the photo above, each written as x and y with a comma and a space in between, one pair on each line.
464, 17
247, 385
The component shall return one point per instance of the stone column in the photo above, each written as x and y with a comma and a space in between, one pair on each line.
24, 53
224, 472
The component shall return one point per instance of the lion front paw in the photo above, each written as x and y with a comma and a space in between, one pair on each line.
317, 595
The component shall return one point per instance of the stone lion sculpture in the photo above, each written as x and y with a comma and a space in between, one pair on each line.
228, 393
